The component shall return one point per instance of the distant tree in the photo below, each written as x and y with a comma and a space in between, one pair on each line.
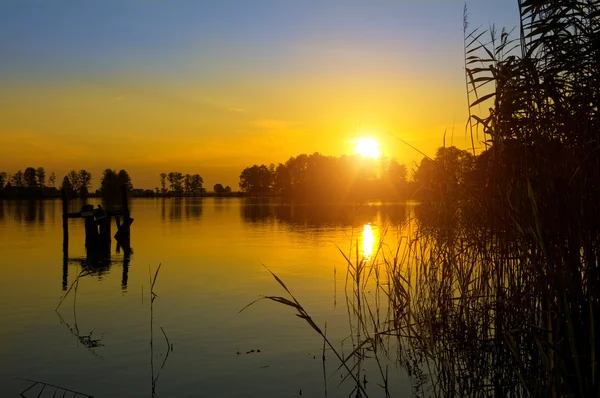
163, 183
444, 175
175, 182
227, 189
41, 177
124, 179
3, 178
17, 179
397, 174
196, 184
256, 180
85, 182
52, 179
68, 187
219, 190
109, 184
30, 178
73, 177
187, 184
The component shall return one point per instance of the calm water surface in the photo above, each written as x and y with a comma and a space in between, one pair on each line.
211, 251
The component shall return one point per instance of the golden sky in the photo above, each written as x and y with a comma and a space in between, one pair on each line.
211, 89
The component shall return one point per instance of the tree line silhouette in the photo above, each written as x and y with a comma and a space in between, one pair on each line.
320, 178
317, 177
32, 183
180, 184
314, 177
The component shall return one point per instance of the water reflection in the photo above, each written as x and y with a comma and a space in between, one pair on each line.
319, 215
230, 232
177, 208
97, 266
26, 212
368, 241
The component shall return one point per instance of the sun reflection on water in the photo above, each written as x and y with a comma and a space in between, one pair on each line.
368, 241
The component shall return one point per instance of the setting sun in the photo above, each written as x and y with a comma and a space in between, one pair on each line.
367, 147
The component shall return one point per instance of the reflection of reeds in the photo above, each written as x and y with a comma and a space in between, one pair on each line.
154, 377
87, 340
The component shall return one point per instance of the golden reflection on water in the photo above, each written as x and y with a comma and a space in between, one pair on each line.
369, 238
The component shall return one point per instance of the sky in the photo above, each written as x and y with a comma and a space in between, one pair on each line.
212, 87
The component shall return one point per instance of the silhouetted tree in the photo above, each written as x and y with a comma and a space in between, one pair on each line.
227, 189
326, 178
85, 182
397, 174
187, 184
196, 184
109, 185
17, 179
163, 183
30, 178
445, 175
3, 178
125, 180
73, 177
219, 190
52, 179
256, 180
68, 187
41, 177
175, 182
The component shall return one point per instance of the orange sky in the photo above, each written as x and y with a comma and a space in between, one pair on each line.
213, 102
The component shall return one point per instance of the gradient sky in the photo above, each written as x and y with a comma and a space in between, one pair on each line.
211, 87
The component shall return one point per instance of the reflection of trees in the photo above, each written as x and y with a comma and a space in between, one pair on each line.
193, 208
28, 212
41, 213
178, 207
219, 204
317, 215
175, 209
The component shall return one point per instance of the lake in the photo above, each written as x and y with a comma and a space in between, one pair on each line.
213, 254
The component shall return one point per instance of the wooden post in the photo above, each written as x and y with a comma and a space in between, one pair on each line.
65, 220
126, 222
91, 234
103, 221
126, 260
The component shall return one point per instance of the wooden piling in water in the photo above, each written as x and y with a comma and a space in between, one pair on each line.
105, 236
65, 220
98, 234
126, 222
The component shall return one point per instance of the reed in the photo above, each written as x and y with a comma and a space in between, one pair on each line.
497, 291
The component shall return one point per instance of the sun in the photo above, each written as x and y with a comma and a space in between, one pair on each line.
367, 147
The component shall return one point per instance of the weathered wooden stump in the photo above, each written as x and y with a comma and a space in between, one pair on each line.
98, 233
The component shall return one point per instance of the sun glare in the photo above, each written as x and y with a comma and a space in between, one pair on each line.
368, 241
366, 147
